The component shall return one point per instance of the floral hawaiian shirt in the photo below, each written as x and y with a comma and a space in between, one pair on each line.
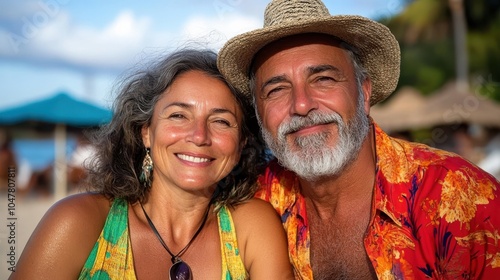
436, 216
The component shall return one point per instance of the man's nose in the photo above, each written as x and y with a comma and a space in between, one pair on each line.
303, 102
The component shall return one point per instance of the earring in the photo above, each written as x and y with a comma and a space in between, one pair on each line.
147, 170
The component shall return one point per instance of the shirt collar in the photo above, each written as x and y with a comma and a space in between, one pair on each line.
383, 195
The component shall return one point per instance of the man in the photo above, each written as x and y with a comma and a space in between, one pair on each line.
356, 203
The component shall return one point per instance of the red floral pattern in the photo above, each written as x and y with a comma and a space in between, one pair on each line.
437, 216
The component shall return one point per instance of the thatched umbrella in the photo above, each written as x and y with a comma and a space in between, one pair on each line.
447, 106
450, 106
401, 112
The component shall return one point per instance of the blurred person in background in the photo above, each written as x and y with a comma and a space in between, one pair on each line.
10, 164
7, 159
77, 173
491, 160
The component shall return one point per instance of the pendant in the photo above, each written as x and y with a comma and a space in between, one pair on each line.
180, 271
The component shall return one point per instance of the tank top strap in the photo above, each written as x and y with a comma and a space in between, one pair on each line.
111, 256
232, 264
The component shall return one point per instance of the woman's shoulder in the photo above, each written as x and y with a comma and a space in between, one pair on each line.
78, 216
77, 219
254, 206
261, 240
84, 207
64, 237
254, 213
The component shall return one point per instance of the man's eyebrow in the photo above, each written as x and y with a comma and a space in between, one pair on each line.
311, 70
322, 68
273, 80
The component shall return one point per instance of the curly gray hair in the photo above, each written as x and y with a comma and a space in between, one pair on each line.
115, 169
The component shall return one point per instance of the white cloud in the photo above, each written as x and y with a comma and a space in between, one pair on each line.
59, 41
215, 31
126, 25
112, 47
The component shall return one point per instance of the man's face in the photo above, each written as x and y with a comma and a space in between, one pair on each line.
312, 115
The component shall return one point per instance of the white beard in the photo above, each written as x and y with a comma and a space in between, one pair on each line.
310, 156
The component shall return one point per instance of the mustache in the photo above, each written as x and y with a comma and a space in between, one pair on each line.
297, 123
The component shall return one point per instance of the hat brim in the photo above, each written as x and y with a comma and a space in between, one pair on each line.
376, 47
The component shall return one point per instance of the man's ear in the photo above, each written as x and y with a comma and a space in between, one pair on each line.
367, 93
145, 136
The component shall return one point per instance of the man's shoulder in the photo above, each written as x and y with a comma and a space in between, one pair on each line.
430, 157
278, 186
276, 175
399, 161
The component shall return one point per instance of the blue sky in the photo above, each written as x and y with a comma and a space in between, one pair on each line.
82, 47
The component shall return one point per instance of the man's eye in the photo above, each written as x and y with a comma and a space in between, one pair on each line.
325, 78
274, 90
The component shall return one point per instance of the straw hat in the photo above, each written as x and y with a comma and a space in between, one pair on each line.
376, 46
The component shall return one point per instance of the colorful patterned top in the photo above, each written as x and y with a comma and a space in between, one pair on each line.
436, 215
111, 257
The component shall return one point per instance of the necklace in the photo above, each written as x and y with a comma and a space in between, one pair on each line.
179, 269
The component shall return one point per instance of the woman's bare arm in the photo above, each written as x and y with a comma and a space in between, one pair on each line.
62, 241
262, 241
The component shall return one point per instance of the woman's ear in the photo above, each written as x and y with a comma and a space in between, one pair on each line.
244, 142
145, 136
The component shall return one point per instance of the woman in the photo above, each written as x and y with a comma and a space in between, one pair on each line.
175, 171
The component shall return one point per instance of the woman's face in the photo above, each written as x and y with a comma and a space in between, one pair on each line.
195, 133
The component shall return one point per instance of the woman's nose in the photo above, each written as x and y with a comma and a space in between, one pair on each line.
199, 134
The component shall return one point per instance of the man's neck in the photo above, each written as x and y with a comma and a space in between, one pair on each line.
344, 192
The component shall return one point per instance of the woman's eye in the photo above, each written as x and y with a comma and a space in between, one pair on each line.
176, 116
223, 122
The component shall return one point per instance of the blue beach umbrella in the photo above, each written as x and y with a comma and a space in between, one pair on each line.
60, 110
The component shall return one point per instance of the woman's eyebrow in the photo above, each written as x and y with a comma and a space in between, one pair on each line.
178, 104
188, 106
221, 111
